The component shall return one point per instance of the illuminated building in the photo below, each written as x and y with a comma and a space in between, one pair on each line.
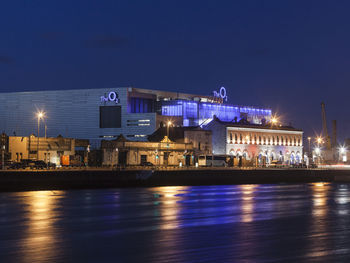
47, 149
257, 144
97, 114
165, 152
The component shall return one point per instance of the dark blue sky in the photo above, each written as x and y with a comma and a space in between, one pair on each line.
289, 55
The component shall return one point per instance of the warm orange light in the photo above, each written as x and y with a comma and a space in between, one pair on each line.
40, 115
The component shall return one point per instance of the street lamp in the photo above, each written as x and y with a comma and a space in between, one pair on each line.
40, 115
274, 120
309, 139
167, 129
342, 153
319, 140
3, 148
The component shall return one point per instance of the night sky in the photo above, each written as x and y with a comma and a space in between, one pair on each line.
287, 55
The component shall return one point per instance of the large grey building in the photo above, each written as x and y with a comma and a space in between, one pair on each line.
105, 113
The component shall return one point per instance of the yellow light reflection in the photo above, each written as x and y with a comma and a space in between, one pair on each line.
319, 226
40, 237
319, 198
168, 208
247, 202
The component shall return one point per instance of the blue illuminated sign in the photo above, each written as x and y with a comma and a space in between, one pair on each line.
112, 96
221, 94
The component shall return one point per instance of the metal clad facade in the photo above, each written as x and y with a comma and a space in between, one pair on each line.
70, 113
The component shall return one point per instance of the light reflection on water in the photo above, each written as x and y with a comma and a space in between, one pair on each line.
251, 223
40, 238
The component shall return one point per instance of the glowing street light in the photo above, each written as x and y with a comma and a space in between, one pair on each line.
319, 140
40, 115
274, 120
309, 139
342, 150
167, 129
317, 150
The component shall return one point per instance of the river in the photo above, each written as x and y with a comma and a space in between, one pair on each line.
238, 223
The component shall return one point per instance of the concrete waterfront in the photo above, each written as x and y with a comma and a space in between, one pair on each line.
27, 180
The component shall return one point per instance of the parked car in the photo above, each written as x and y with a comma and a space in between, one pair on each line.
299, 165
38, 165
27, 163
147, 164
276, 163
51, 165
15, 165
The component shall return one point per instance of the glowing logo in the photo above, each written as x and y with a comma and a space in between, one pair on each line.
112, 96
221, 94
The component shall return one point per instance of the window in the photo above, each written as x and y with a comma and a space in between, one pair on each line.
140, 105
110, 116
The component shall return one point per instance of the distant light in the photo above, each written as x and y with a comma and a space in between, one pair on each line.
342, 150
317, 150
319, 140
40, 114
274, 120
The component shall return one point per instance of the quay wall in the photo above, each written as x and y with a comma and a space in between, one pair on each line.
91, 179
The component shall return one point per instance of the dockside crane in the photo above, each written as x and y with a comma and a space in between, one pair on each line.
324, 127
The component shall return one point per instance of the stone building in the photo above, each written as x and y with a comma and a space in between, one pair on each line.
257, 144
163, 153
46, 149
201, 139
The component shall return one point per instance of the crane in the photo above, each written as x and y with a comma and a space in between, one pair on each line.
324, 127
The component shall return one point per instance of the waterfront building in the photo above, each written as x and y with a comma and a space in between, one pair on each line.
46, 149
98, 114
163, 153
200, 138
257, 144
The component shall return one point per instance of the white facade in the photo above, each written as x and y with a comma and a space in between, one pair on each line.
268, 144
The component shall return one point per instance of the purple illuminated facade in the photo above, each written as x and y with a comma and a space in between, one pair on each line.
200, 113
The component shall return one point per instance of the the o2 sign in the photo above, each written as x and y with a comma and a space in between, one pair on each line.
221, 93
112, 96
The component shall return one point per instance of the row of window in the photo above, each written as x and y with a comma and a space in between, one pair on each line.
264, 140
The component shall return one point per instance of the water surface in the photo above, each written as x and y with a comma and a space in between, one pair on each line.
243, 223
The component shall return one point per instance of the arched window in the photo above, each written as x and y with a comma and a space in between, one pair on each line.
260, 140
282, 140
255, 138
236, 137
230, 137
240, 138
278, 139
273, 139
264, 140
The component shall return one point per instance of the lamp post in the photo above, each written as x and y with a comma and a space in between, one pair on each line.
3, 156
319, 140
87, 155
167, 129
274, 121
342, 154
309, 139
39, 115
116, 158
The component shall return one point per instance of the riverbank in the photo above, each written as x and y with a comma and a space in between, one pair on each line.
99, 178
